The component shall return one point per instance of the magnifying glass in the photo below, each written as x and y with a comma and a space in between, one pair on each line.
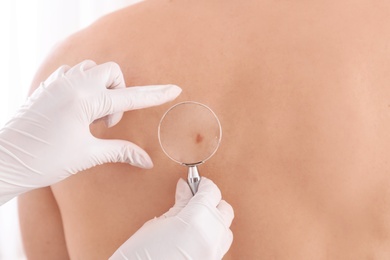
189, 134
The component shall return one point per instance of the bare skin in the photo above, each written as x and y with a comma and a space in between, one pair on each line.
302, 92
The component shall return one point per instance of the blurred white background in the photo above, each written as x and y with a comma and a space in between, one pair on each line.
29, 29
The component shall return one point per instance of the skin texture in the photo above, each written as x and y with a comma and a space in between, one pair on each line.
302, 92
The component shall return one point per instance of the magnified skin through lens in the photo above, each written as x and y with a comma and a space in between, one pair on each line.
189, 133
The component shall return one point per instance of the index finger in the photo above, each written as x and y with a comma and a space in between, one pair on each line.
120, 100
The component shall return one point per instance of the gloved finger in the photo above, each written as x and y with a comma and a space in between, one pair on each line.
226, 211
182, 197
60, 72
115, 81
113, 151
226, 242
82, 66
183, 194
43, 86
208, 193
109, 74
117, 100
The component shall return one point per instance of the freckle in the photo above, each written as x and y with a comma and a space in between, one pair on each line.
199, 138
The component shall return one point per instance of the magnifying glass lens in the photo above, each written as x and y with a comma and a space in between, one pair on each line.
189, 133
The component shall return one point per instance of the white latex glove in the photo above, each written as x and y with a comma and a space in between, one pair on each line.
49, 139
196, 228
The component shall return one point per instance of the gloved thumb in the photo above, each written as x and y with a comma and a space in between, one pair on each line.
120, 151
208, 193
182, 197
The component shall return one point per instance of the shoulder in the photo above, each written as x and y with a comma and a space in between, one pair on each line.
69, 51
95, 42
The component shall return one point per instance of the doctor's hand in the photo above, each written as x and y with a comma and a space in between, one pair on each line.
49, 138
196, 227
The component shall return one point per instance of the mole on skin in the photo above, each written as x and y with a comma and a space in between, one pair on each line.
199, 138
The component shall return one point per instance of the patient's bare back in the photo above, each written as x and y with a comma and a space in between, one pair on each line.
302, 93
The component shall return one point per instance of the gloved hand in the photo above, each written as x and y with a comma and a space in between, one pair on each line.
49, 139
195, 228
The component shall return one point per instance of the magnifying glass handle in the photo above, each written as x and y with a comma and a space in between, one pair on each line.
193, 178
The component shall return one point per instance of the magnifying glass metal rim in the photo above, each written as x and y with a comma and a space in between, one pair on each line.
219, 126
193, 177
